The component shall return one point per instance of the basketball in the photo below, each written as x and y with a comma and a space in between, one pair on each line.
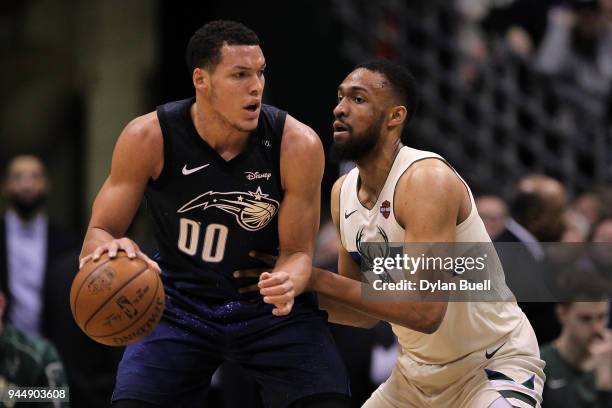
117, 301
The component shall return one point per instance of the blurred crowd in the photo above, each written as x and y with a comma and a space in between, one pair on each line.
570, 40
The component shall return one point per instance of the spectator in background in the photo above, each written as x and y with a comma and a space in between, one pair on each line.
494, 213
577, 46
537, 214
601, 251
579, 362
29, 244
602, 232
589, 205
520, 22
577, 227
537, 211
27, 361
38, 261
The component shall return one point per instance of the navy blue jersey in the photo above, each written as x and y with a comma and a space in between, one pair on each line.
209, 212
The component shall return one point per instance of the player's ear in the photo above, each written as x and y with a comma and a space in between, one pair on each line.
397, 116
200, 78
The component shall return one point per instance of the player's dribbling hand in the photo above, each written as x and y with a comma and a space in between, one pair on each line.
277, 289
126, 245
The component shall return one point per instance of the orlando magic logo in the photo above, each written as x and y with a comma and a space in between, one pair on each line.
253, 210
371, 250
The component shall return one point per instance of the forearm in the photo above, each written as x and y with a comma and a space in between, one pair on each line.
298, 265
420, 316
341, 314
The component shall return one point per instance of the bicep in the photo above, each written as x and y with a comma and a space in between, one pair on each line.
135, 158
302, 164
115, 205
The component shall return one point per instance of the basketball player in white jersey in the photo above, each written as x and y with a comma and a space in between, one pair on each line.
453, 354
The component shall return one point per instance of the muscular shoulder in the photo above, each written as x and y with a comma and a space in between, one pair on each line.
430, 176
142, 141
299, 138
428, 197
144, 131
302, 156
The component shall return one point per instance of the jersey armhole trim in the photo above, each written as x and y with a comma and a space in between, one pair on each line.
340, 223
162, 179
278, 130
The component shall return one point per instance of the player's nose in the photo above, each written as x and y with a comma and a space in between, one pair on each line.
257, 86
340, 109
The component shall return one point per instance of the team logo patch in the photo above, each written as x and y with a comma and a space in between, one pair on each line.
385, 209
253, 210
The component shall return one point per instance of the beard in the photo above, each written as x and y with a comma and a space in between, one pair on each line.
27, 207
357, 146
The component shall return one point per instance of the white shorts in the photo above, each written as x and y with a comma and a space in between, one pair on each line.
515, 372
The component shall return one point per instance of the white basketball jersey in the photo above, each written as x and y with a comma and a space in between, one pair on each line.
467, 326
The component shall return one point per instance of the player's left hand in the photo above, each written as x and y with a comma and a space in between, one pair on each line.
277, 289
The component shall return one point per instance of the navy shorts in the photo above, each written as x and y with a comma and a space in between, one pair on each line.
290, 357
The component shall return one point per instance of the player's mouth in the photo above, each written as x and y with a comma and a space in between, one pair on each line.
253, 109
341, 129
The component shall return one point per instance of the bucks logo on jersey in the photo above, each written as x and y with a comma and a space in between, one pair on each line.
252, 210
370, 250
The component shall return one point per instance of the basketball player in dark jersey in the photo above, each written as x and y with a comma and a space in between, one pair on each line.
222, 174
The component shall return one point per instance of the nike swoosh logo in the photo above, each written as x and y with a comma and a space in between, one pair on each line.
556, 383
489, 355
348, 214
187, 171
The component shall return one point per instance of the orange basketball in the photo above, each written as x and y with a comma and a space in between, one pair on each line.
117, 301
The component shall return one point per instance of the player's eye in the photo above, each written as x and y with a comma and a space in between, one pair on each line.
358, 100
260, 73
240, 75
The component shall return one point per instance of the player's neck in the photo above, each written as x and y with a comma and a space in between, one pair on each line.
217, 132
374, 170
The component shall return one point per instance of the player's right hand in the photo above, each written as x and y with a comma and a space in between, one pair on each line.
126, 245
277, 289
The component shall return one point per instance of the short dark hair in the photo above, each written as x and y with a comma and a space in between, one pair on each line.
401, 79
204, 47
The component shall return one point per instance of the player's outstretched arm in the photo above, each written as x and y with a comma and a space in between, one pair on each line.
138, 157
302, 165
427, 202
